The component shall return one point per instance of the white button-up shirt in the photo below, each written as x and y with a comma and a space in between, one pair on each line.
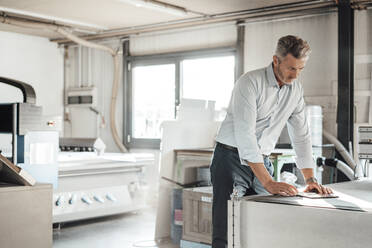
257, 113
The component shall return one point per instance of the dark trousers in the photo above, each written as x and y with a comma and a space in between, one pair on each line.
227, 173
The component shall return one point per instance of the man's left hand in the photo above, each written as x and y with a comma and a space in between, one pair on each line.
318, 188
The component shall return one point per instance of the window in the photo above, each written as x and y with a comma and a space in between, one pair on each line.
209, 79
156, 83
153, 95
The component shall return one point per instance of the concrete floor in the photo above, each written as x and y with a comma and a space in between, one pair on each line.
120, 231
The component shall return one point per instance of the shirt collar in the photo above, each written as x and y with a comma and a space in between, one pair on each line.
271, 76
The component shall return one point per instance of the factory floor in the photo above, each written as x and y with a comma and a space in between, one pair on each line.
129, 230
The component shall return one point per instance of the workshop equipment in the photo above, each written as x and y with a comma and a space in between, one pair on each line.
34, 137
364, 137
93, 185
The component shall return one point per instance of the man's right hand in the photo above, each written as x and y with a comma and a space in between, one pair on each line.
269, 184
280, 188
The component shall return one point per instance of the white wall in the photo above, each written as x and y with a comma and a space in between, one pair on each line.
35, 61
186, 39
319, 78
363, 64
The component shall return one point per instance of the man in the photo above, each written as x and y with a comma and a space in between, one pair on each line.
262, 102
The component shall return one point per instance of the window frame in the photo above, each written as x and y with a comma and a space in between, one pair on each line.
129, 62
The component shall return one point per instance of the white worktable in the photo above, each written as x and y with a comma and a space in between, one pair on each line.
271, 221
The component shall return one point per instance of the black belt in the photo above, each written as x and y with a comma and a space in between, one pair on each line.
232, 148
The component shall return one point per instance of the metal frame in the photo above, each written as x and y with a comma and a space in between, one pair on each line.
157, 59
29, 95
14, 133
345, 109
239, 59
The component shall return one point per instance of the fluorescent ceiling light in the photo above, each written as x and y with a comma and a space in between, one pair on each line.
159, 6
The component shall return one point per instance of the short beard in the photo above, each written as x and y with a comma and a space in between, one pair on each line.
279, 73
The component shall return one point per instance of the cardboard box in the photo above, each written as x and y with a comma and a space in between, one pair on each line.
197, 214
187, 163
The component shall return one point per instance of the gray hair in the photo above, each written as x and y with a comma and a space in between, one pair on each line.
294, 45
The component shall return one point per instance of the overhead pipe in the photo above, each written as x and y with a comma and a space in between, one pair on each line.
61, 30
277, 10
215, 18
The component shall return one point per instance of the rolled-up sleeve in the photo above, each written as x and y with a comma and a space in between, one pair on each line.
244, 112
299, 133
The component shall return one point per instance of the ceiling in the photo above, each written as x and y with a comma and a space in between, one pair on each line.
94, 16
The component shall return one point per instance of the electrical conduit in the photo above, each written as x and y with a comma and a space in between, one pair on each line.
340, 148
349, 173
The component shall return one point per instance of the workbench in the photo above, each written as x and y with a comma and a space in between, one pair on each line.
292, 222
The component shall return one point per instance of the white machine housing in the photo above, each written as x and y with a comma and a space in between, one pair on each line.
92, 185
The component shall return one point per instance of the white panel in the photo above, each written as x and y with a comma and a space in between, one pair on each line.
362, 67
363, 32
35, 61
363, 59
221, 35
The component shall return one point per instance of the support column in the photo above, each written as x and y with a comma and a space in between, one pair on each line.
345, 106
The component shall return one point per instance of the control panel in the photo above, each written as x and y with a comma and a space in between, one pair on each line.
365, 142
81, 97
88, 202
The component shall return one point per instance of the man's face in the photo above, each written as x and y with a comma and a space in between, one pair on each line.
287, 69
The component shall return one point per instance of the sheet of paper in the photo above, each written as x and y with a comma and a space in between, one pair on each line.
313, 195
